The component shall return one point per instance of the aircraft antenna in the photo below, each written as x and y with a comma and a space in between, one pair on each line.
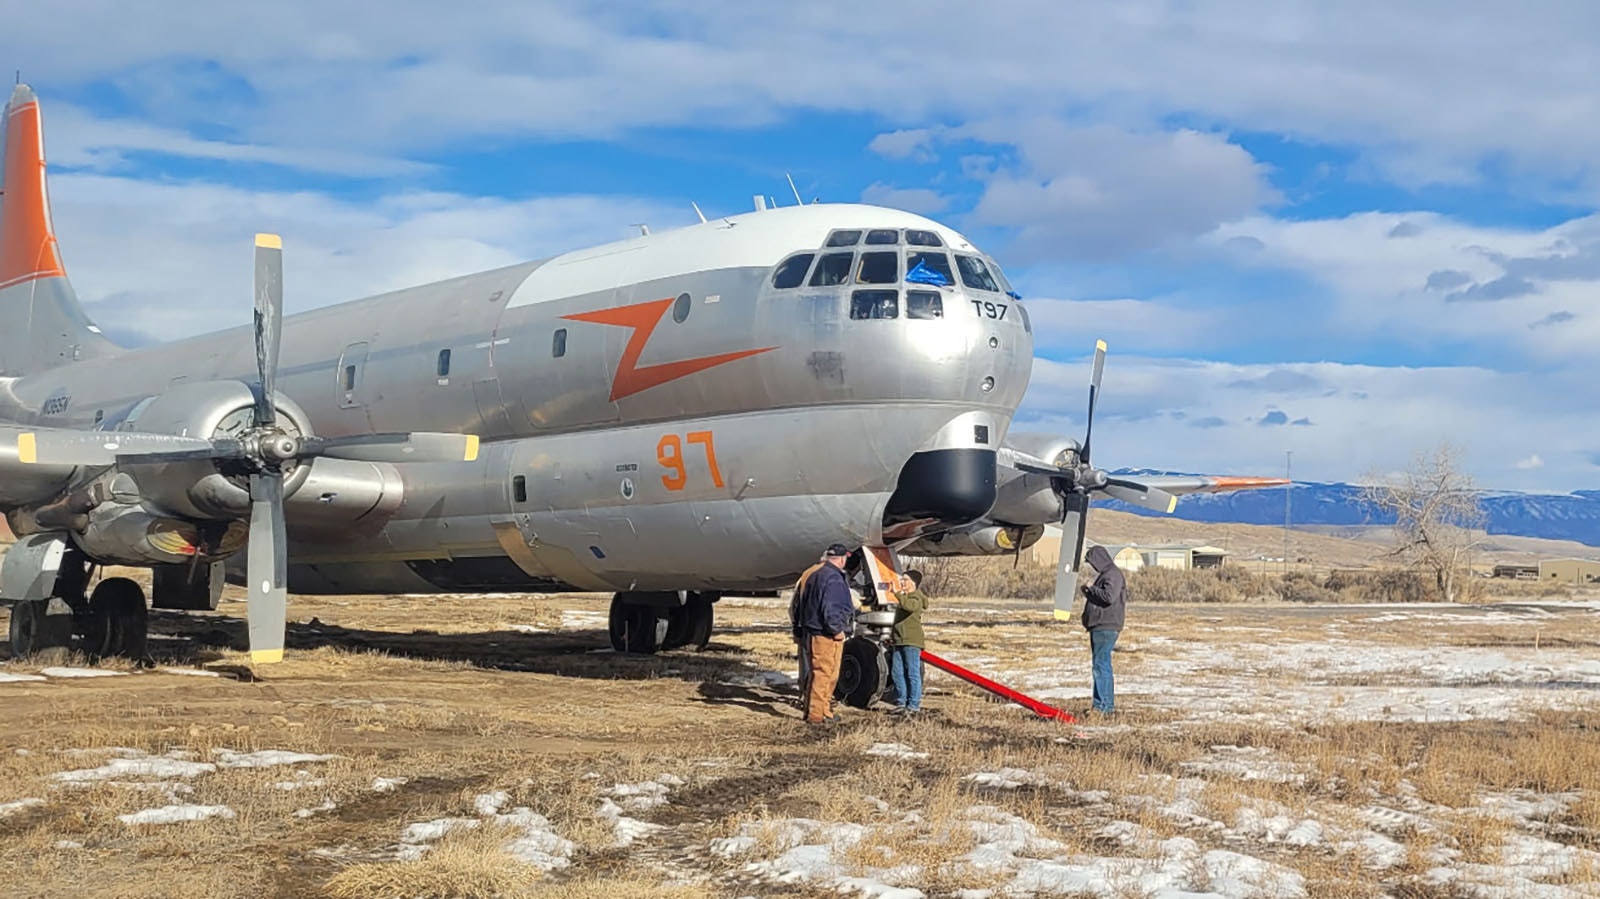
698, 212
644, 229
797, 200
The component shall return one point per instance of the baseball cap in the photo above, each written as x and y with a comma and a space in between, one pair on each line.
838, 549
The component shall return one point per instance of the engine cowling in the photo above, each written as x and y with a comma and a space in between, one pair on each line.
203, 489
983, 538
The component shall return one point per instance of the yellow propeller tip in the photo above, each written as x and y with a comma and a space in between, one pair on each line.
270, 241
1063, 614
27, 449
1100, 345
471, 453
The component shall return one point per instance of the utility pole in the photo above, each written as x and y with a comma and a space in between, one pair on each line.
1288, 472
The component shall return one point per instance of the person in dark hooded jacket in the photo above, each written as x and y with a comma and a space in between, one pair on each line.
1104, 610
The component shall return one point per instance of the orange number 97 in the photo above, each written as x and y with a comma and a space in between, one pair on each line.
669, 452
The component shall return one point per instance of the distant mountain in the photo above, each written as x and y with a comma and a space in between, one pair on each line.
1573, 516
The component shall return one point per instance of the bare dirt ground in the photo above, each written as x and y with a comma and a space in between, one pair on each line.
488, 746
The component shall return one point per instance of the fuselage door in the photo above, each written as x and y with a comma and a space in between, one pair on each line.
350, 379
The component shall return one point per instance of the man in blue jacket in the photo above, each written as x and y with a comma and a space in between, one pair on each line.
825, 615
1104, 609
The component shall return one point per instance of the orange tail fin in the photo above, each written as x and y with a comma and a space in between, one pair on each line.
41, 323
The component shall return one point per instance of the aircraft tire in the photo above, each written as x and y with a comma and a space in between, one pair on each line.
863, 672
118, 620
701, 617
645, 630
33, 631
617, 625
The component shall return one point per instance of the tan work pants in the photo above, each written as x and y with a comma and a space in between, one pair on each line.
825, 655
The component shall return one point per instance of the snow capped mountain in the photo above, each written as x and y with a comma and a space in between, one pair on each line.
1573, 516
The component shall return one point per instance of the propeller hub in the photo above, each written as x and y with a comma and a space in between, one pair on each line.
278, 448
1092, 478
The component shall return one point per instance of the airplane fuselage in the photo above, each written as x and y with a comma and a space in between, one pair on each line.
641, 404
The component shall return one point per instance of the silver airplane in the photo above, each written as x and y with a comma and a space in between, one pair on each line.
665, 418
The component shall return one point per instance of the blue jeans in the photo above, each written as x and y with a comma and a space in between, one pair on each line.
905, 671
1105, 686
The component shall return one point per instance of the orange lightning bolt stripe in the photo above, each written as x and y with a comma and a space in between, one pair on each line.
642, 319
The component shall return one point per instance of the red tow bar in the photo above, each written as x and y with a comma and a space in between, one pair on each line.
1028, 702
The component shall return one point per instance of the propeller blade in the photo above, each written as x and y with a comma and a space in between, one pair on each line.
1142, 495
1094, 394
415, 447
269, 322
1073, 521
53, 446
267, 569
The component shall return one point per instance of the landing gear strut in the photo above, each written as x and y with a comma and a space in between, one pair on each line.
643, 623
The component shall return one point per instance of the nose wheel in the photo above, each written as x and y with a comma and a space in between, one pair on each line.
863, 672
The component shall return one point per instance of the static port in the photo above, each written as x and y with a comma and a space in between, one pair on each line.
987, 385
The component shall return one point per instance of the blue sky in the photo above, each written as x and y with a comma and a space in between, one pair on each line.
1352, 231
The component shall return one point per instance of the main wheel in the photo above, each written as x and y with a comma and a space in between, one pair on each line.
689, 624
33, 631
863, 672
617, 625
118, 620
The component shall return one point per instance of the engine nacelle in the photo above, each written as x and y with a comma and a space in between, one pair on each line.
204, 489
983, 538
132, 535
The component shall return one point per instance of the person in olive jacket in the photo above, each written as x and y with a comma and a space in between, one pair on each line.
905, 657
1104, 610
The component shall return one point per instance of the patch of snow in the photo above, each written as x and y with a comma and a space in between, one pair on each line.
266, 758
302, 779
583, 619
80, 672
327, 805
529, 629
895, 751
388, 784
625, 829
7, 809
140, 765
487, 804
760, 678
176, 814
67, 844
7, 677
191, 672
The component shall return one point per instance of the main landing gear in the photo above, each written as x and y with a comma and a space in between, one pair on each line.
48, 581
643, 622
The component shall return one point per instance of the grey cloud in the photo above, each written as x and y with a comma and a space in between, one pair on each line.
1279, 380
1244, 243
1306, 422
1405, 229
1508, 287
918, 199
1448, 279
1210, 421
1274, 418
1554, 318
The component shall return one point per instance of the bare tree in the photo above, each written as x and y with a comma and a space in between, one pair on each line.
1438, 519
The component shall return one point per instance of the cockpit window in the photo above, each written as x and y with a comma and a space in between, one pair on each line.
792, 271
923, 239
975, 274
879, 268
833, 269
875, 304
883, 236
1027, 325
843, 239
924, 267
924, 304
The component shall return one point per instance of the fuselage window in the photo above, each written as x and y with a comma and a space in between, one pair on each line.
99, 416
923, 239
975, 274
879, 268
519, 488
924, 304
444, 363
923, 267
875, 304
843, 239
792, 271
834, 268
558, 343
349, 377
1027, 326
883, 236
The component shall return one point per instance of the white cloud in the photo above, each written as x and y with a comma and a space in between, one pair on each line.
172, 260
1219, 417
915, 199
1530, 463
